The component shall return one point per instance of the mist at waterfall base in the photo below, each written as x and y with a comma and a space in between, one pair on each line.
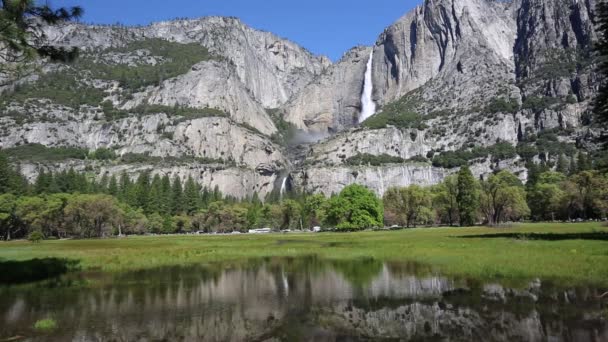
368, 107
304, 137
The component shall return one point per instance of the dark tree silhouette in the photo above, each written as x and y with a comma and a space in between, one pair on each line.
22, 36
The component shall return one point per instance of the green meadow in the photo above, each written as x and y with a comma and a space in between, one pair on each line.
565, 253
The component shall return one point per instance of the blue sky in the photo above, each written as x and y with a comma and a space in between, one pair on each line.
328, 27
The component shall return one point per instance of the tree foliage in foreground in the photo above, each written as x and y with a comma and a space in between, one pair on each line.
22, 37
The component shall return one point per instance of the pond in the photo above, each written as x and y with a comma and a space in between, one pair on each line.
296, 299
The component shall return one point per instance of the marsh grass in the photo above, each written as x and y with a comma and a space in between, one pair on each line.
505, 254
45, 325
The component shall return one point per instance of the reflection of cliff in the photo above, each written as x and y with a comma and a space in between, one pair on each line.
302, 299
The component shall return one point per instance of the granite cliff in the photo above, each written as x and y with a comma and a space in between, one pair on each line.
217, 100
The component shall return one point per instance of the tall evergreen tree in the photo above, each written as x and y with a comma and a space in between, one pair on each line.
113, 186
71, 180
155, 197
467, 197
43, 182
562, 164
177, 199
102, 187
217, 194
5, 174
142, 190
583, 162
166, 205
191, 196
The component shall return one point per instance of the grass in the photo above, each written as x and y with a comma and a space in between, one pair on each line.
580, 256
45, 325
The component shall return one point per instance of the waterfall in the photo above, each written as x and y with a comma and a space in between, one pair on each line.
368, 107
283, 187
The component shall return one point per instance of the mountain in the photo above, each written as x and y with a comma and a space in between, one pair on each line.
493, 84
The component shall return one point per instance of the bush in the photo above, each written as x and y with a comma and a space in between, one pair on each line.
45, 325
35, 236
500, 105
38, 152
539, 103
103, 154
375, 160
400, 120
458, 158
400, 113
61, 87
177, 60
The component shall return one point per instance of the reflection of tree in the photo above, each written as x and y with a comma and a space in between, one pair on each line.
403, 269
359, 272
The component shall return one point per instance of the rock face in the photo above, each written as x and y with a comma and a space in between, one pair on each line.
465, 47
332, 101
331, 180
271, 68
464, 73
209, 84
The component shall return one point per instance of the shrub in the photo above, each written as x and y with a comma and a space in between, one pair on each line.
177, 60
452, 159
500, 105
103, 154
375, 160
45, 325
35, 236
38, 152
539, 103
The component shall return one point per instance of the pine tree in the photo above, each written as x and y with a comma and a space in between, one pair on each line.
177, 199
155, 196
583, 162
573, 167
562, 164
71, 180
205, 198
43, 182
166, 204
127, 190
5, 174
81, 184
22, 37
191, 196
142, 190
217, 194
467, 197
103, 184
113, 186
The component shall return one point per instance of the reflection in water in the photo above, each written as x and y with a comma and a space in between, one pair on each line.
301, 299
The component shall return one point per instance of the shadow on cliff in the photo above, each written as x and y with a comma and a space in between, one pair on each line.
598, 236
20, 272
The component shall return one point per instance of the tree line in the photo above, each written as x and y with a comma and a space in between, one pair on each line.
74, 204
463, 200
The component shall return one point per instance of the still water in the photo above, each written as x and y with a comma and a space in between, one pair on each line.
299, 299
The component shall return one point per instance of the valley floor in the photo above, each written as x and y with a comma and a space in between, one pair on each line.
566, 253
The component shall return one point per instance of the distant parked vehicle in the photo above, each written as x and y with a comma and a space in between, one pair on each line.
260, 231
316, 229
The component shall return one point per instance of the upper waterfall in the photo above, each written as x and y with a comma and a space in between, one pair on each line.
283, 188
368, 107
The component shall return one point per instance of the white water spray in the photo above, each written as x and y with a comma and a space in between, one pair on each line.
368, 107
283, 188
